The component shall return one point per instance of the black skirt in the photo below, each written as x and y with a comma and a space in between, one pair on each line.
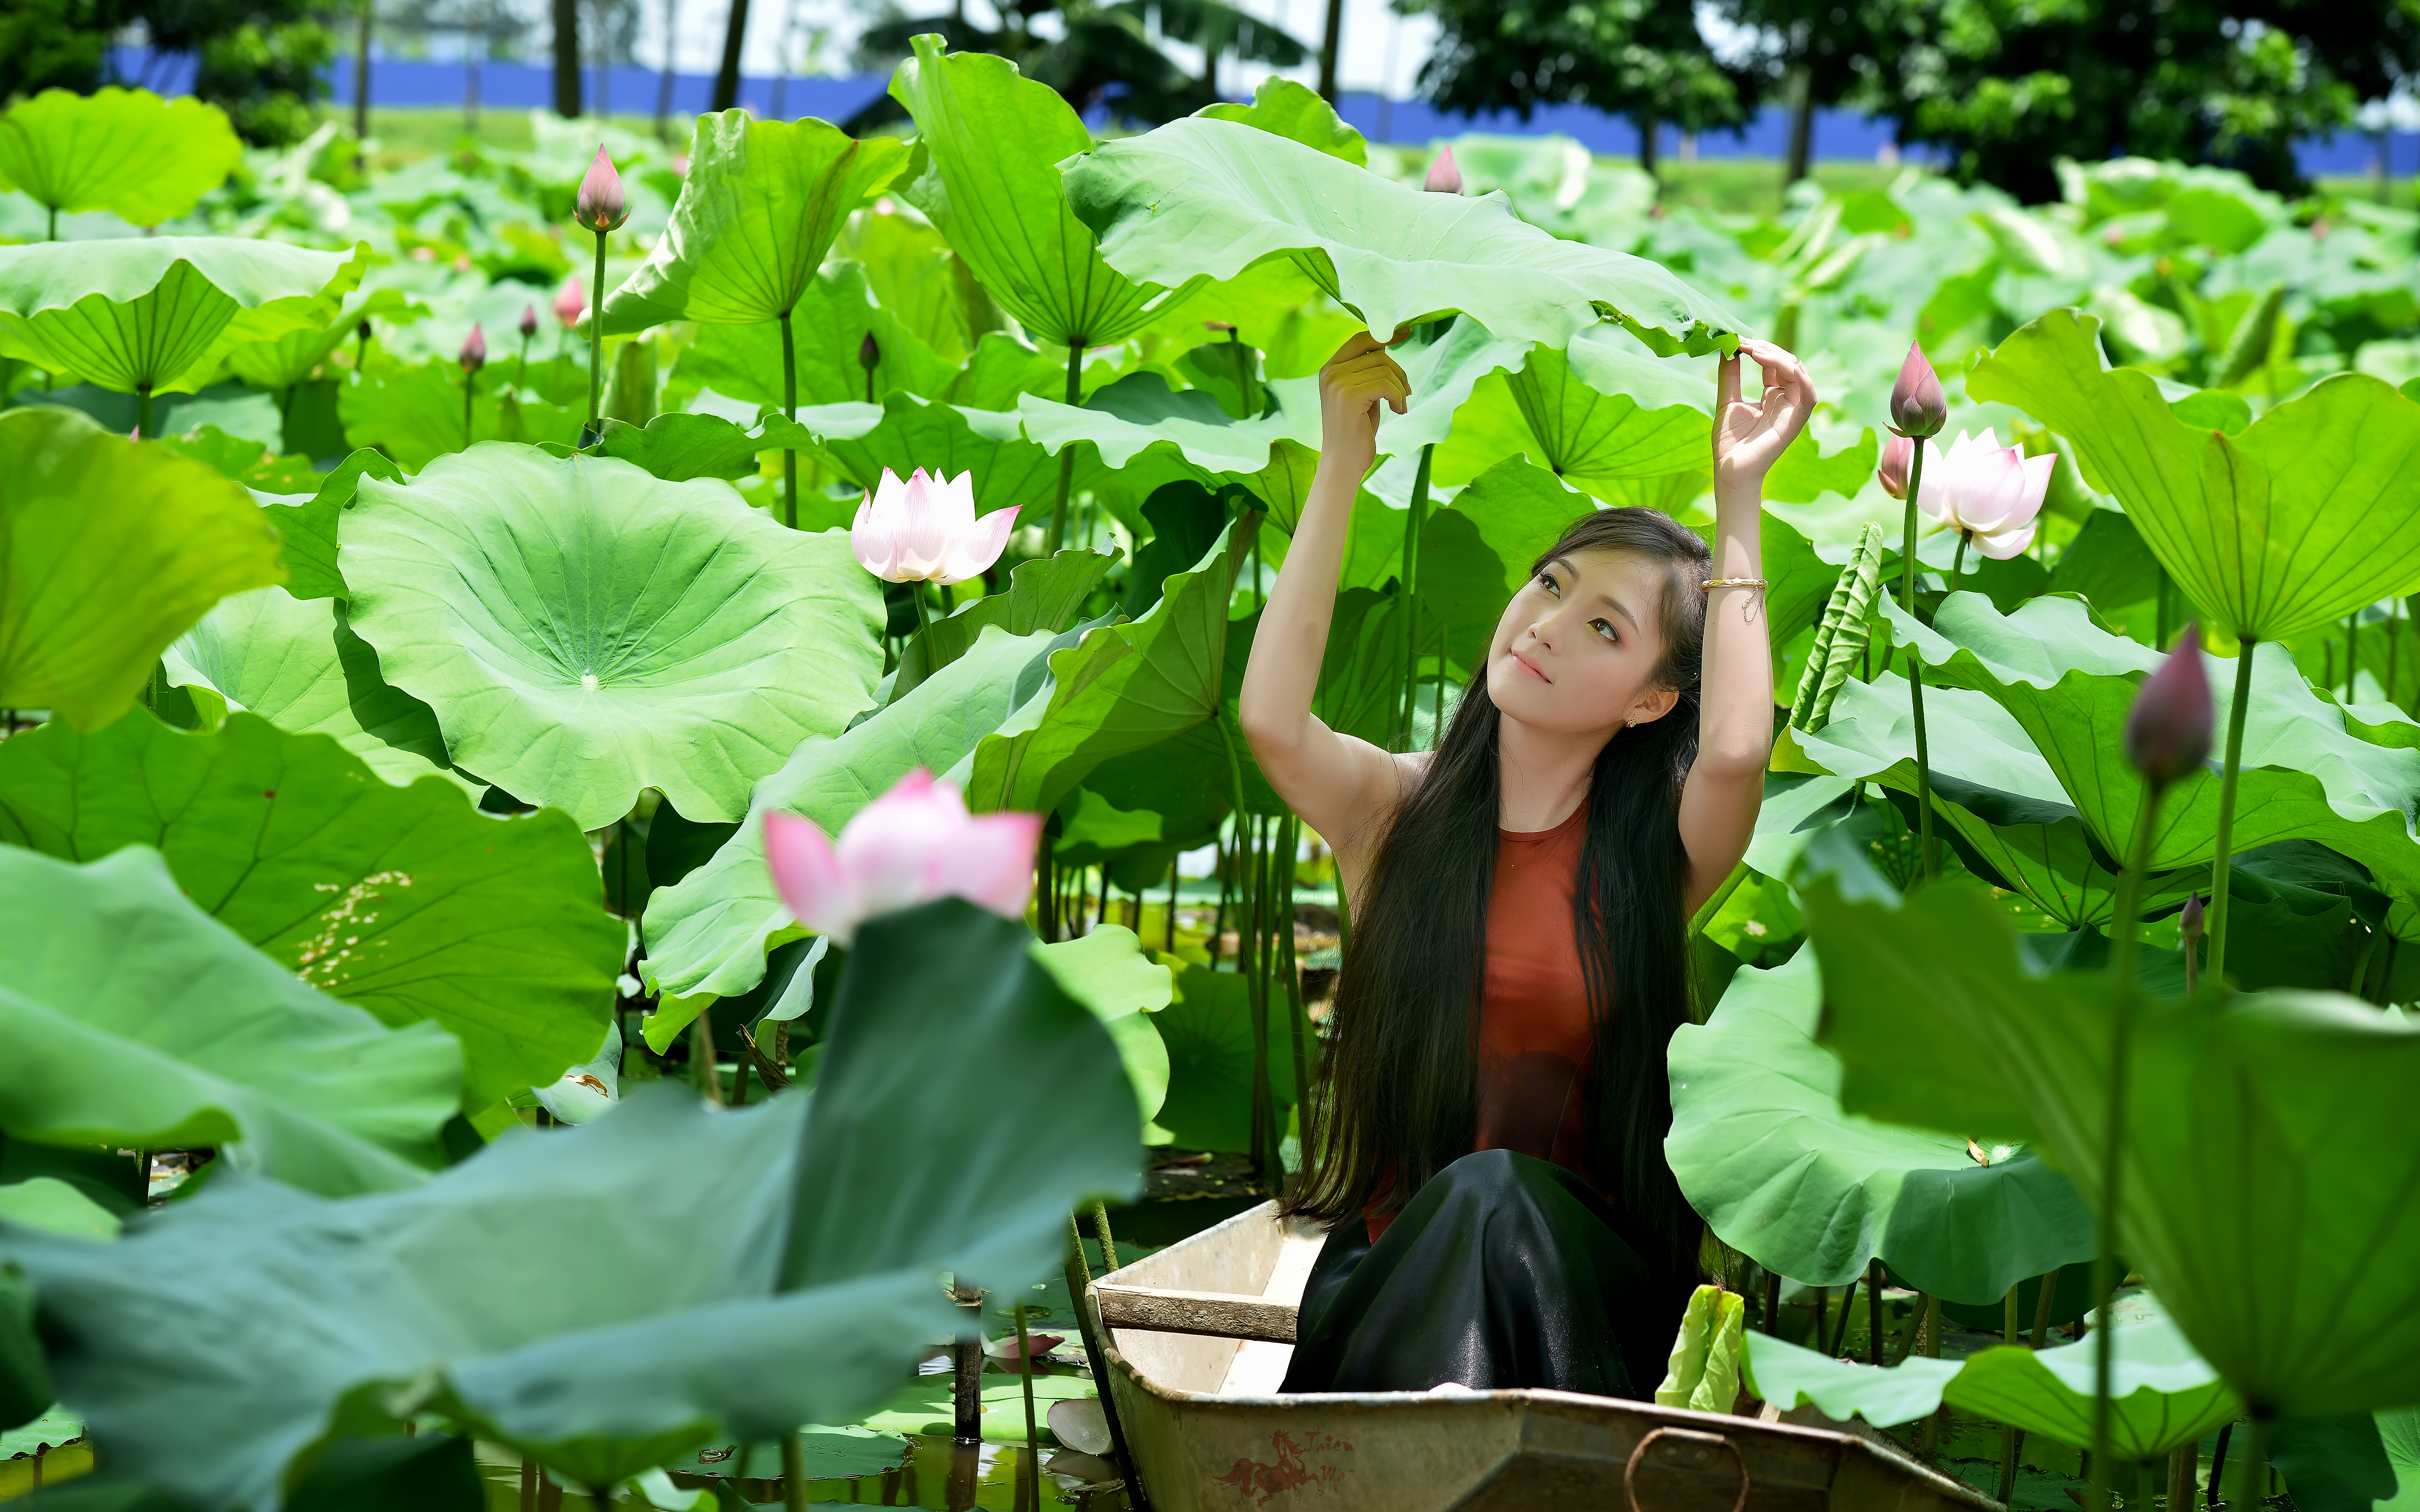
1504, 1271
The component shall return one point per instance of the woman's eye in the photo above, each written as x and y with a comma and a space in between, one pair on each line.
1605, 628
1546, 581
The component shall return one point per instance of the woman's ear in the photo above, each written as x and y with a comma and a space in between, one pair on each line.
1652, 705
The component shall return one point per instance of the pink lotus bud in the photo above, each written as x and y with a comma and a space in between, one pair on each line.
1916, 406
913, 844
475, 350
1898, 455
569, 302
1992, 492
601, 205
925, 529
2167, 733
869, 353
529, 322
2190, 923
1445, 175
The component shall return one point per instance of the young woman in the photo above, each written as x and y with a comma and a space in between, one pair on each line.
1486, 1135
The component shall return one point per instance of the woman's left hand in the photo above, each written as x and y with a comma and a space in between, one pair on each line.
1750, 438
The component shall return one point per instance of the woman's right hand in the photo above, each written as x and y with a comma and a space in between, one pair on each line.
1359, 378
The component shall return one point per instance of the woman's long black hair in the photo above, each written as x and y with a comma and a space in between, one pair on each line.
1398, 1091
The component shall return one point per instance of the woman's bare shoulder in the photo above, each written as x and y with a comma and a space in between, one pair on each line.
1411, 769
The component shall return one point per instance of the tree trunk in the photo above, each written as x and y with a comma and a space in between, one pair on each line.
664, 81
361, 76
1647, 145
1332, 39
1802, 129
726, 80
567, 58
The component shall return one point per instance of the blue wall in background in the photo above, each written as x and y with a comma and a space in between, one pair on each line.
397, 82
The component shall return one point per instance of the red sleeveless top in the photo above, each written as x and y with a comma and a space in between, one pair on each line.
1535, 1040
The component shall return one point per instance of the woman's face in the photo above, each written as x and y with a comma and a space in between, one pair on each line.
1577, 648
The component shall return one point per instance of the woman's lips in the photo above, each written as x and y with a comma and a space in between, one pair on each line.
1531, 667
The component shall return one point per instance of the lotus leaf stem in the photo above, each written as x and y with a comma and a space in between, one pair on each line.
1109, 1243
2042, 1307
1079, 1280
2218, 1465
2251, 1482
1916, 670
1413, 521
1773, 1307
2223, 856
142, 411
2112, 1138
1958, 562
469, 393
596, 351
1874, 1312
1066, 453
790, 413
2009, 1334
794, 1471
1025, 1374
702, 1071
1168, 924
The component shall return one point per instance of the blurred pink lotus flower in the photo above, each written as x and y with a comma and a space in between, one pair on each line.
529, 322
601, 205
2168, 730
1898, 455
570, 301
925, 529
913, 844
1988, 491
1445, 174
1004, 1351
475, 350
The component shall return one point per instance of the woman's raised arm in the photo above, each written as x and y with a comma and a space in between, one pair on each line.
1336, 783
1725, 787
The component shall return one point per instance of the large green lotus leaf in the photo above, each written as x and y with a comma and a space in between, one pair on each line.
1761, 1147
1602, 409
2003, 804
758, 210
278, 365
986, 175
415, 415
298, 664
155, 313
708, 934
834, 317
584, 630
2310, 514
1209, 199
905, 433
1108, 972
1043, 594
661, 1277
2161, 1393
1141, 412
1296, 111
2071, 685
128, 151
133, 1019
1121, 688
309, 529
109, 551
1208, 1031
408, 902
2276, 1104
1442, 375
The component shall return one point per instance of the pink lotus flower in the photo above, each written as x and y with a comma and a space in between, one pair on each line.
1004, 1351
570, 301
2168, 730
1445, 174
601, 205
925, 529
913, 844
475, 350
1988, 491
529, 322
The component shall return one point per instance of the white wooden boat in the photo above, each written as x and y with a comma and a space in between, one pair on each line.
1196, 1338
